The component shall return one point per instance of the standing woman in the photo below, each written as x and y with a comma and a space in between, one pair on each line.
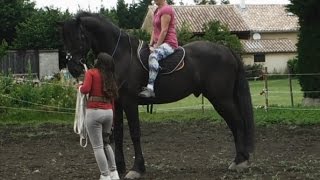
163, 42
101, 86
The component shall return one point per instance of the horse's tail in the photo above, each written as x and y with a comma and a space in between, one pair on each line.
243, 98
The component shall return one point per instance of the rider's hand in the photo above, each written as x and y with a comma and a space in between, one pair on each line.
151, 48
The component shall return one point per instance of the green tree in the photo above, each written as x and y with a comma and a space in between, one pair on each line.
225, 2
12, 13
138, 12
135, 19
184, 34
204, 2
219, 33
40, 31
308, 44
141, 34
3, 48
123, 14
170, 2
110, 14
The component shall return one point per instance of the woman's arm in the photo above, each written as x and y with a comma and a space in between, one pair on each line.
165, 21
86, 87
151, 39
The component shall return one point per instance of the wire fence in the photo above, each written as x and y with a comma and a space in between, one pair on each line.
266, 93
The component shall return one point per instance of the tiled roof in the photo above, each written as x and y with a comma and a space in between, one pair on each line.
197, 16
268, 46
255, 18
268, 18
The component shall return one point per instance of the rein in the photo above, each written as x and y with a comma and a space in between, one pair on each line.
116, 47
69, 56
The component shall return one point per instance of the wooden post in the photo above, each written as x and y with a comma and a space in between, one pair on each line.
151, 108
148, 108
265, 77
202, 102
290, 86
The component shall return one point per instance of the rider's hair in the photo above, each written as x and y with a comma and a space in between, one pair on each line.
105, 65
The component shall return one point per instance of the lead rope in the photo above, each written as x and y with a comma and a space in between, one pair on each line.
79, 126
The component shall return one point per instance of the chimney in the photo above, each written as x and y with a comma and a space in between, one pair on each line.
242, 4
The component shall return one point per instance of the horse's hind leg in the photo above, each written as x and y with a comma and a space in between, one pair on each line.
230, 112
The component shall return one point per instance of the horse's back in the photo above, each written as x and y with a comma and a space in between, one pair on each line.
208, 56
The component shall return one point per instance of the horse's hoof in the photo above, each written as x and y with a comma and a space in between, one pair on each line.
239, 167
133, 175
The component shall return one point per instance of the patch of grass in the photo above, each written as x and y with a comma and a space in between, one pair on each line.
35, 118
261, 117
279, 92
275, 115
190, 109
278, 95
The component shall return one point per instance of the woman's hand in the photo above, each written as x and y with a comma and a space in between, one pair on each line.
151, 49
79, 84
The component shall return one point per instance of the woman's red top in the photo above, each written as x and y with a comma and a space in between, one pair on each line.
92, 84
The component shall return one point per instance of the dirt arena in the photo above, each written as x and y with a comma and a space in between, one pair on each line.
196, 150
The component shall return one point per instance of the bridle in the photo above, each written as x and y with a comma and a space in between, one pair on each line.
82, 37
82, 59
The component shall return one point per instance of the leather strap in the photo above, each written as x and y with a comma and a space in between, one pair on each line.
99, 99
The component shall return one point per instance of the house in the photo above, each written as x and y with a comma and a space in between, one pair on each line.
268, 33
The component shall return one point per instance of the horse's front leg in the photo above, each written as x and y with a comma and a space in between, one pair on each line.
118, 137
131, 109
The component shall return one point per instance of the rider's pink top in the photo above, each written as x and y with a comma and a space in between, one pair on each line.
171, 37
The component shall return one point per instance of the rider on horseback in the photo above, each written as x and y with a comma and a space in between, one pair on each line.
163, 42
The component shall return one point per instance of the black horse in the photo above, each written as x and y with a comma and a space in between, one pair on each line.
209, 69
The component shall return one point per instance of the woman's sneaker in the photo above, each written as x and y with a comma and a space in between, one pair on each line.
102, 177
114, 175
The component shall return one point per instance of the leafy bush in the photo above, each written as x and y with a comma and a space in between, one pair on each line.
39, 31
3, 48
140, 34
219, 33
253, 71
184, 34
293, 65
50, 95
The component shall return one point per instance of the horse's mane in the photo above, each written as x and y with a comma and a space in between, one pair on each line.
98, 16
102, 19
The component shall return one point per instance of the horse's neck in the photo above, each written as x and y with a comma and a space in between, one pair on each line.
104, 35
127, 44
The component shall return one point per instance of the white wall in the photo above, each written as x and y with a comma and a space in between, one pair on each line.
293, 36
48, 62
275, 62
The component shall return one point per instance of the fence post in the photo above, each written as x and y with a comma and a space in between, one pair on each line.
149, 108
290, 86
265, 77
202, 102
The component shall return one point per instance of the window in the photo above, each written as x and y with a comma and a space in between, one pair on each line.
260, 57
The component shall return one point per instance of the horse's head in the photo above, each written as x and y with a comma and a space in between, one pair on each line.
77, 45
